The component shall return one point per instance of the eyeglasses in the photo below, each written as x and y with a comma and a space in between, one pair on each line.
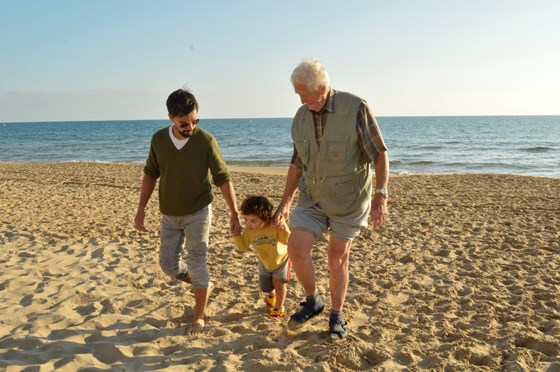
187, 123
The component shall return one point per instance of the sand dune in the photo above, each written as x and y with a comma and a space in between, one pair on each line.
465, 276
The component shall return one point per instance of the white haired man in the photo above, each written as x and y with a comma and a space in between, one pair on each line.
336, 138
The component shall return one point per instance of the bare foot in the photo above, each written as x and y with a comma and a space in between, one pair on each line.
196, 327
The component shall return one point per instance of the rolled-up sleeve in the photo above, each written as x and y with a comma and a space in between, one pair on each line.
152, 166
369, 136
295, 158
217, 165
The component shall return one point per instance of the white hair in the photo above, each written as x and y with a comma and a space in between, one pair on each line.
311, 73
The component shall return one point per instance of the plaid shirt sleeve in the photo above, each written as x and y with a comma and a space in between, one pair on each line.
369, 136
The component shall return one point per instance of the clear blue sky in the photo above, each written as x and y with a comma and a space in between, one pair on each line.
120, 59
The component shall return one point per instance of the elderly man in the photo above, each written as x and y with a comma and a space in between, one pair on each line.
336, 138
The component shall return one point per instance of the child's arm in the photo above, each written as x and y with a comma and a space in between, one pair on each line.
242, 241
283, 231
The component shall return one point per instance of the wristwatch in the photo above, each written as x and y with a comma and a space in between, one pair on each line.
383, 191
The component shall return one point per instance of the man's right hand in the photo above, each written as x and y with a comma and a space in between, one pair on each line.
139, 221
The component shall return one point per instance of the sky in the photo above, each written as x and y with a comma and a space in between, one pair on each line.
69, 60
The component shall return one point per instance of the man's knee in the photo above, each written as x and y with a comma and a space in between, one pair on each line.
338, 249
300, 244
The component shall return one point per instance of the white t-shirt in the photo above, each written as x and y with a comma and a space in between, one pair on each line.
179, 143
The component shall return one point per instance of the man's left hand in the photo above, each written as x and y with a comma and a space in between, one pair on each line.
379, 213
235, 225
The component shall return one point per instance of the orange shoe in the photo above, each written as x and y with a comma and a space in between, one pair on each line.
270, 303
277, 314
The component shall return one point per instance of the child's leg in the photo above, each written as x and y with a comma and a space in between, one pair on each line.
266, 285
280, 287
270, 301
280, 279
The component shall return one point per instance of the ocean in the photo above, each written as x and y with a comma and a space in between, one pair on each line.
518, 145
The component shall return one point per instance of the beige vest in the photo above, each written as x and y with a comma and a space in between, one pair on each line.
335, 174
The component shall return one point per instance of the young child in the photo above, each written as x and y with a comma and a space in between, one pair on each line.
271, 244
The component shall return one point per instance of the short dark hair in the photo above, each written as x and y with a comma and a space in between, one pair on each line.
181, 102
259, 206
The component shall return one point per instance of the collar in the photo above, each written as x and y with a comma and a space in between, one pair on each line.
329, 105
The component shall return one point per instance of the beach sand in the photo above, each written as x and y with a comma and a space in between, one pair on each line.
465, 276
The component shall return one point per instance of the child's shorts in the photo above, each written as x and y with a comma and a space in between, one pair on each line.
265, 276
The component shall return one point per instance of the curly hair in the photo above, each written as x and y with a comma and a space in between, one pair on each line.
259, 206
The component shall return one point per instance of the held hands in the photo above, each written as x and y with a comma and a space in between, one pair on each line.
282, 211
234, 225
379, 213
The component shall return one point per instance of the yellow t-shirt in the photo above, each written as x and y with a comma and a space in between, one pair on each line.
271, 244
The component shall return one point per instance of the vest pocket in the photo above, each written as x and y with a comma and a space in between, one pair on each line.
337, 151
345, 191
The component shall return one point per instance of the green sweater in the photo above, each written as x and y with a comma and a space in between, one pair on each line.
184, 180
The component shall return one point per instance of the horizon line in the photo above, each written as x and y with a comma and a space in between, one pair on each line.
267, 117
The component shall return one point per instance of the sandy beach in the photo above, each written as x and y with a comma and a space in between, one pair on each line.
464, 277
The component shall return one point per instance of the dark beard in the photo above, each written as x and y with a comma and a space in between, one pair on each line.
185, 134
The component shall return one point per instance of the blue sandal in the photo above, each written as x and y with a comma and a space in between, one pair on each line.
337, 328
308, 311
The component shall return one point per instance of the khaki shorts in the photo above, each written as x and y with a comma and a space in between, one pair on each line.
315, 221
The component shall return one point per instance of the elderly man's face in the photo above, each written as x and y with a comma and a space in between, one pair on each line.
315, 100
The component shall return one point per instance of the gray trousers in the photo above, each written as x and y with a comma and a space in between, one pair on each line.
184, 246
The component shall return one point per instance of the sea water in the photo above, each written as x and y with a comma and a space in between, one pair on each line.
521, 145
